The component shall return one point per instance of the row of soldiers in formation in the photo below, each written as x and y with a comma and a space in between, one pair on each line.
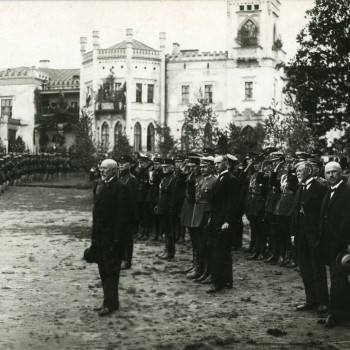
17, 169
207, 196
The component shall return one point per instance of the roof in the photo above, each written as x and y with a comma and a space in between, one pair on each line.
135, 44
61, 74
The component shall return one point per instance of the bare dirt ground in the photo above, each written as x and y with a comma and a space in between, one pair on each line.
48, 291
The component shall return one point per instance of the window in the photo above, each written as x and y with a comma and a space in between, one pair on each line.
185, 94
248, 90
139, 93
256, 7
241, 8
249, 7
150, 138
6, 107
248, 34
184, 138
117, 86
150, 93
105, 134
74, 105
118, 130
137, 137
208, 93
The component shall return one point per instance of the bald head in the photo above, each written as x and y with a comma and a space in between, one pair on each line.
108, 169
333, 173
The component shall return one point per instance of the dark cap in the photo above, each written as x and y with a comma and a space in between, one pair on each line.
167, 162
208, 151
209, 160
302, 155
258, 158
125, 159
316, 162
266, 151
278, 155
316, 153
143, 159
179, 158
232, 158
251, 155
157, 160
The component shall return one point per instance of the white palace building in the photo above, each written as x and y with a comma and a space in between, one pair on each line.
150, 86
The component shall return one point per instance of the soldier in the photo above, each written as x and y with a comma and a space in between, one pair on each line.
131, 183
192, 171
155, 177
225, 212
255, 205
178, 198
142, 175
201, 220
166, 191
2, 176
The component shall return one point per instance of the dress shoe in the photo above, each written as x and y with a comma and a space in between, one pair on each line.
322, 309
270, 259
331, 321
105, 311
194, 274
207, 280
202, 277
306, 307
229, 285
189, 269
125, 265
154, 239
98, 308
166, 256
213, 289
291, 265
254, 256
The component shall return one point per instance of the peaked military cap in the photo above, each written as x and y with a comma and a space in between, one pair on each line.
179, 158
157, 160
193, 158
167, 162
209, 160
315, 161
302, 156
143, 158
208, 152
232, 158
266, 151
316, 153
277, 156
125, 159
251, 155
258, 158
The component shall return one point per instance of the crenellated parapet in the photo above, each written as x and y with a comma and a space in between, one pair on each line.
195, 55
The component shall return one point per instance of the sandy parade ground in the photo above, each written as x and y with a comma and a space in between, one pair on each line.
48, 292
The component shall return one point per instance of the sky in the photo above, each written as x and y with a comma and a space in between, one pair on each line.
35, 30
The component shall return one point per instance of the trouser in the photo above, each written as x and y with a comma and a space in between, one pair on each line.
155, 220
284, 238
312, 270
144, 218
169, 234
273, 234
237, 233
339, 295
109, 270
222, 259
258, 228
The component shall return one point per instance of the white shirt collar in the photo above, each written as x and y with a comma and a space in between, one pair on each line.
110, 179
337, 185
223, 172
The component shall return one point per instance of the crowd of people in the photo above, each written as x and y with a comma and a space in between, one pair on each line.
296, 217
21, 168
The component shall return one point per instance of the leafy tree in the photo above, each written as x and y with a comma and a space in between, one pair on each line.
166, 143
222, 146
289, 133
122, 147
83, 149
318, 75
246, 139
200, 125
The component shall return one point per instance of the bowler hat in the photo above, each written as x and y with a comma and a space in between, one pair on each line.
89, 255
343, 262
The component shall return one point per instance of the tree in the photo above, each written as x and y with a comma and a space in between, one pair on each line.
165, 143
222, 146
319, 73
246, 139
289, 133
200, 125
122, 147
83, 149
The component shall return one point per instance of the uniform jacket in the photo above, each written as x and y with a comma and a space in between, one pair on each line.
335, 214
166, 191
256, 196
225, 201
111, 214
307, 207
131, 183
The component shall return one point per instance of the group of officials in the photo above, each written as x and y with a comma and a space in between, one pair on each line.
297, 210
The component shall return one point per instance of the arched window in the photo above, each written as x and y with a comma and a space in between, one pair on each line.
248, 34
137, 137
118, 130
208, 135
274, 33
105, 134
184, 139
249, 135
150, 138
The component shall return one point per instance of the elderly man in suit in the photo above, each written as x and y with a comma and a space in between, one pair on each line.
334, 238
225, 212
111, 221
305, 228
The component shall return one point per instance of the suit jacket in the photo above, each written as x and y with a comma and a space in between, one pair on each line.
225, 201
335, 214
131, 183
309, 202
111, 214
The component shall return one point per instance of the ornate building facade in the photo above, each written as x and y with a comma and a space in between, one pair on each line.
242, 83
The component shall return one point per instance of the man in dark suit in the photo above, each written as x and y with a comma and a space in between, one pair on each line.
334, 238
110, 217
225, 213
305, 228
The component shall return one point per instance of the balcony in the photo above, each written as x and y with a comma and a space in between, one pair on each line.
55, 110
110, 107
